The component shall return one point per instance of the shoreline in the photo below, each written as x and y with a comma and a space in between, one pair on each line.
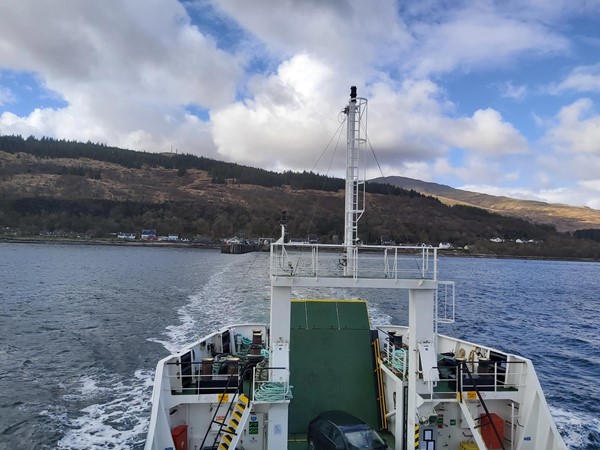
107, 242
215, 246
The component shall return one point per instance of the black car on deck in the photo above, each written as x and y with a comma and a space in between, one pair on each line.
339, 430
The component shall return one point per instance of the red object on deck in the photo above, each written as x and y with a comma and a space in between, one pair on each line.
180, 439
487, 431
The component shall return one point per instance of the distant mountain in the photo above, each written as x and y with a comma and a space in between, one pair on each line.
563, 217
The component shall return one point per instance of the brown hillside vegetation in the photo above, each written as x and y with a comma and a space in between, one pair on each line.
97, 198
563, 217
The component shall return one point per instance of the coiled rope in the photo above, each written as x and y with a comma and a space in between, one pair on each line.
398, 357
270, 391
244, 344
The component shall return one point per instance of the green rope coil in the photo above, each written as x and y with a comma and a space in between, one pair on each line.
271, 391
244, 344
398, 359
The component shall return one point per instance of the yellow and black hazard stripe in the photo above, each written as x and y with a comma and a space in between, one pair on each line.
416, 437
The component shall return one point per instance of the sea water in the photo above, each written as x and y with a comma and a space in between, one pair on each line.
82, 328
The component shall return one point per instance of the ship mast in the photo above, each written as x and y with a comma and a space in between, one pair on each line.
355, 183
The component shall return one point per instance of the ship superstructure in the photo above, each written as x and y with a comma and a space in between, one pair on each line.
257, 386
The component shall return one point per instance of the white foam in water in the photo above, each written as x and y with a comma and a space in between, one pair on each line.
122, 422
215, 306
378, 318
89, 386
177, 334
118, 423
576, 428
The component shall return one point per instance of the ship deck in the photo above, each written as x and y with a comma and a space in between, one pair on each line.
330, 356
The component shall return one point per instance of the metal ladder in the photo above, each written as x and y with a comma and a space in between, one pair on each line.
238, 416
222, 397
380, 384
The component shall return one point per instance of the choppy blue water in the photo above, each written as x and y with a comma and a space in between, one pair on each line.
82, 327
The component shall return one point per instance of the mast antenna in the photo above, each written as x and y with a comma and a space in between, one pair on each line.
355, 180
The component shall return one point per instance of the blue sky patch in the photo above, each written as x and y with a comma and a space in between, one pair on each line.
25, 93
198, 111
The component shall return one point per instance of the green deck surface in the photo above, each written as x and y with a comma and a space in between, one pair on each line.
331, 363
298, 442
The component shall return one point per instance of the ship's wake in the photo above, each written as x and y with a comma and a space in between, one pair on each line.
230, 296
116, 415
580, 431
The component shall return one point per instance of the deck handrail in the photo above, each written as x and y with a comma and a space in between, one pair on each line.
370, 261
515, 370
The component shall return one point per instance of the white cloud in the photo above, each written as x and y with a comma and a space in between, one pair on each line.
592, 185
538, 120
417, 122
562, 169
509, 90
126, 72
414, 129
6, 96
486, 133
584, 194
289, 119
520, 193
285, 124
588, 194
567, 169
405, 119
478, 170
419, 170
189, 134
351, 35
480, 35
581, 79
577, 129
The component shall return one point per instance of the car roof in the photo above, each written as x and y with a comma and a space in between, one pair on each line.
341, 418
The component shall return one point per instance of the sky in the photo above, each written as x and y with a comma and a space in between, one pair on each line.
500, 97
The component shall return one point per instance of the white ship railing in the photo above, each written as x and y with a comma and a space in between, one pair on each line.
444, 304
197, 383
270, 384
397, 357
510, 378
370, 261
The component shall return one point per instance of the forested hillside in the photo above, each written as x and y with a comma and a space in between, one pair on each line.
63, 188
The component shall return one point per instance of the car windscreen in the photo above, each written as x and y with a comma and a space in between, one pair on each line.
364, 438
